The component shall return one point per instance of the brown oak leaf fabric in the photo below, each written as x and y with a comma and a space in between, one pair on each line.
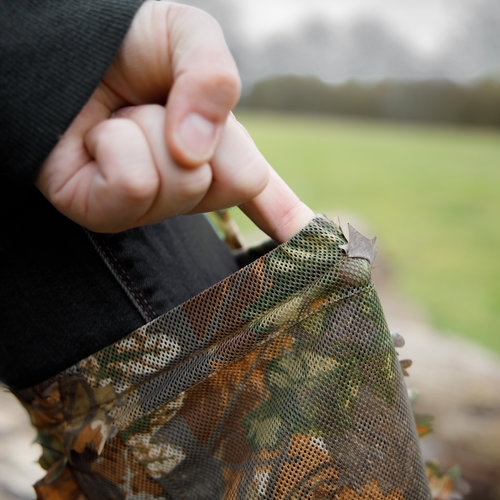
280, 382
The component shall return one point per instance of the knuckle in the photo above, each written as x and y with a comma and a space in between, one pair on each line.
136, 187
107, 130
193, 184
225, 85
128, 174
193, 15
145, 112
250, 180
110, 133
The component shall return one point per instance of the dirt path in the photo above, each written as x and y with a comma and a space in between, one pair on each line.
459, 383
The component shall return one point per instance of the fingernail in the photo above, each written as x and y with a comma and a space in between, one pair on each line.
196, 137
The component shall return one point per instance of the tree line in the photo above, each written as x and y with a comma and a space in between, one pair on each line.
435, 101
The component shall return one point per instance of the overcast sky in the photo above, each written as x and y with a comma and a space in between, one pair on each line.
426, 24
362, 39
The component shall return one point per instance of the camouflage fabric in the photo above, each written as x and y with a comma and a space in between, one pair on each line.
280, 382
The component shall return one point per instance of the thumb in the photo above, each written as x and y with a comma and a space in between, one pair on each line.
205, 86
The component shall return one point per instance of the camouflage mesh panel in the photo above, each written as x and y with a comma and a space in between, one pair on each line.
280, 382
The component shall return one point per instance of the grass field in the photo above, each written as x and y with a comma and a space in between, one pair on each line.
431, 194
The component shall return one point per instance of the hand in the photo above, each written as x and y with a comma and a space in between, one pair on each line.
156, 139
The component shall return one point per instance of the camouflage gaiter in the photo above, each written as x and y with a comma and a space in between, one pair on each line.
280, 382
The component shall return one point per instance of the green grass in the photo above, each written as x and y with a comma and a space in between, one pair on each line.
431, 194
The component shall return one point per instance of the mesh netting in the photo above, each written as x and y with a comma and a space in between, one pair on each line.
280, 382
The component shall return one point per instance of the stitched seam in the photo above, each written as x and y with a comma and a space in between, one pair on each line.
122, 278
138, 295
268, 312
278, 332
366, 288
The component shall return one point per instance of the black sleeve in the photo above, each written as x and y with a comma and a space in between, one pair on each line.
53, 55
63, 292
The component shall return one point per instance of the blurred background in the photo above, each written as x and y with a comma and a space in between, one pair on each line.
388, 115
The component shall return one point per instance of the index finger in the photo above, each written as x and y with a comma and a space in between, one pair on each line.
277, 210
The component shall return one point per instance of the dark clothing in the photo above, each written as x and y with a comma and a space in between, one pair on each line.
66, 292
54, 53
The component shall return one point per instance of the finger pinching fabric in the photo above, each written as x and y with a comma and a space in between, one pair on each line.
280, 382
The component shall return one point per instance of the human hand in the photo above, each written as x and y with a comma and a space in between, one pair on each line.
129, 159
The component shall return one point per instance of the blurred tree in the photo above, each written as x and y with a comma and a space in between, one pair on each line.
428, 101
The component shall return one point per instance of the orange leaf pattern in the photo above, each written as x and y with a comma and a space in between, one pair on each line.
280, 382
